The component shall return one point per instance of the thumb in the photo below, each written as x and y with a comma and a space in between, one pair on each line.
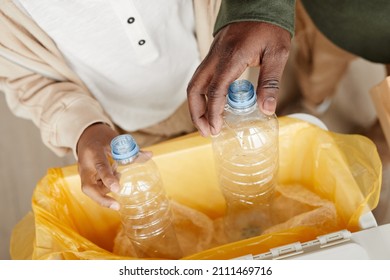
271, 71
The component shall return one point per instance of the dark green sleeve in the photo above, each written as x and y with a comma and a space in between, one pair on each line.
361, 27
278, 12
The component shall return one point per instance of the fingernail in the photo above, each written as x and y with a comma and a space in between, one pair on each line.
215, 129
269, 105
202, 133
115, 206
115, 187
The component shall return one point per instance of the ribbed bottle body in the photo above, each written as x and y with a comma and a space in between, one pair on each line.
145, 209
246, 157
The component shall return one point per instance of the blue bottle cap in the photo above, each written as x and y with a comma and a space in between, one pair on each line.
124, 147
241, 94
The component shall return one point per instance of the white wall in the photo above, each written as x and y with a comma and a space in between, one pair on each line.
24, 161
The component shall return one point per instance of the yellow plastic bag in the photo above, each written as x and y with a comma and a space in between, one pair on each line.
343, 169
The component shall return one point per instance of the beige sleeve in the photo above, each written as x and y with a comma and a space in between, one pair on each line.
61, 110
380, 96
39, 85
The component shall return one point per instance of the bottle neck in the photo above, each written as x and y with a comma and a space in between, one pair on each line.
241, 111
127, 160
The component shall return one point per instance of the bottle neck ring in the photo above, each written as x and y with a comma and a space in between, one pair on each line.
241, 95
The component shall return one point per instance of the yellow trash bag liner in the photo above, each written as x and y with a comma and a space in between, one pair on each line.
326, 182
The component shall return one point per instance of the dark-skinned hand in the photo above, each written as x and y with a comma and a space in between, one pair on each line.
97, 175
235, 47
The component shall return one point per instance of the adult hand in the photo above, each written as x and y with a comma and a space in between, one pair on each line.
235, 47
97, 176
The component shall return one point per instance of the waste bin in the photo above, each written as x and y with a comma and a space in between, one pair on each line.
343, 169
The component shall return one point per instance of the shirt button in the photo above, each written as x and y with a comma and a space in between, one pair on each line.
141, 42
130, 20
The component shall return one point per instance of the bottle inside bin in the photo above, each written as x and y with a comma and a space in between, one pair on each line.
144, 206
246, 157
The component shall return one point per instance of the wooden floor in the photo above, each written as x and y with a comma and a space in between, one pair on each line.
24, 159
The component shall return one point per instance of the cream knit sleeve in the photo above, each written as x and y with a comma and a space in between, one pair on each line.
61, 110
40, 86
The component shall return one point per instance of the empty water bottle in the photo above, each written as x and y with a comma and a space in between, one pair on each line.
246, 156
144, 206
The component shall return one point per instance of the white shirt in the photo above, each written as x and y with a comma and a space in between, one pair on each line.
135, 56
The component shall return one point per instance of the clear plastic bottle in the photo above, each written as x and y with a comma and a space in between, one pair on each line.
144, 206
246, 156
